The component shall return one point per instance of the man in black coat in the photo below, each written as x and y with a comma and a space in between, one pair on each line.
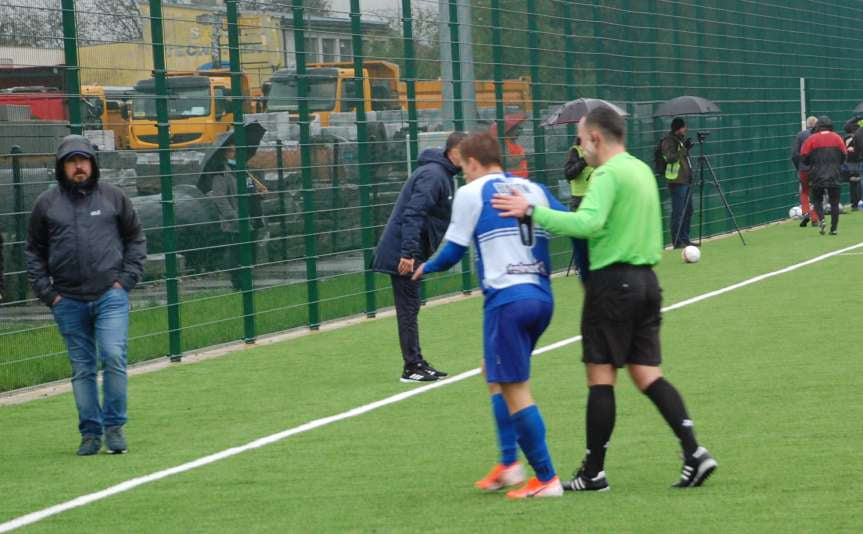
414, 231
85, 252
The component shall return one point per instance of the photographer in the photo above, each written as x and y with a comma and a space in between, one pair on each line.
577, 172
675, 149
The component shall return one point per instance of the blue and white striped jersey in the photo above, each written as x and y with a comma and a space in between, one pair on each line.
508, 269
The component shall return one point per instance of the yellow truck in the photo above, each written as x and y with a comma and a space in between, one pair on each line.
109, 105
332, 89
199, 109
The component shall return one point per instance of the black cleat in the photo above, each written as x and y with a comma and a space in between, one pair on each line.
426, 366
581, 482
696, 469
804, 222
417, 374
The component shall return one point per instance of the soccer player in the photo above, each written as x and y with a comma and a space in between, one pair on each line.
514, 268
620, 216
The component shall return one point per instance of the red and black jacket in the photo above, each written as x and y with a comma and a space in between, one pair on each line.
824, 153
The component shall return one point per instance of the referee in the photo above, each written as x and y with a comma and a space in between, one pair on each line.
621, 219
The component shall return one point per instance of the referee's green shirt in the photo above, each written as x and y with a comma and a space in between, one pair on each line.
620, 215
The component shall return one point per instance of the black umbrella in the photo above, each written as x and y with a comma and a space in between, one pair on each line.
214, 159
573, 111
686, 105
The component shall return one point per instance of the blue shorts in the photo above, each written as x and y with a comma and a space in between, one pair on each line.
510, 335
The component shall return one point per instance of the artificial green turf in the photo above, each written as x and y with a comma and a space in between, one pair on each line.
770, 373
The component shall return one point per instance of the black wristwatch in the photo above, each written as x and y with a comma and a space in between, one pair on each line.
529, 211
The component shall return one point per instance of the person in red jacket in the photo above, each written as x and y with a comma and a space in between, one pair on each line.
515, 161
824, 152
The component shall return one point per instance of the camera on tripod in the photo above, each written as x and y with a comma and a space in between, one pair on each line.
702, 135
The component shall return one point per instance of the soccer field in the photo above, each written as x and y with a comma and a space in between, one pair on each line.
771, 373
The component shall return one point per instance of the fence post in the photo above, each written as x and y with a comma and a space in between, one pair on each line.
309, 225
246, 244
569, 62
20, 224
364, 159
280, 169
73, 81
497, 58
536, 94
410, 81
458, 111
169, 230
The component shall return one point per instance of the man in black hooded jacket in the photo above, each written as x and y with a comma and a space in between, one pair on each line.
85, 252
413, 232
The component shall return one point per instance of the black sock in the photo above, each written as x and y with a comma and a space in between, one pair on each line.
600, 424
670, 405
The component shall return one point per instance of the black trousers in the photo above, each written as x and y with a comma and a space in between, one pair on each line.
407, 300
818, 200
854, 189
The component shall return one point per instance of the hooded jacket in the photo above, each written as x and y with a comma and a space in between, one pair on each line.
82, 239
824, 153
675, 153
421, 214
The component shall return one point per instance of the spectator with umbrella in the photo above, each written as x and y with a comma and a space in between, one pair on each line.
219, 181
675, 150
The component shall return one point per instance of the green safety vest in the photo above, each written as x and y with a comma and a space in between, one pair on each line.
578, 185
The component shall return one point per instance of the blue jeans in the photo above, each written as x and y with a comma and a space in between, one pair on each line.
681, 214
88, 326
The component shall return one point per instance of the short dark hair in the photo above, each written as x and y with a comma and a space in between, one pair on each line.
483, 147
453, 141
607, 120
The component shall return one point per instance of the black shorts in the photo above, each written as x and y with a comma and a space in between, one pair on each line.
621, 316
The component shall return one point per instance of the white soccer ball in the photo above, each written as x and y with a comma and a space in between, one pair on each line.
691, 254
795, 212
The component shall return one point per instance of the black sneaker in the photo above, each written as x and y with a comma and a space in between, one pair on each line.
804, 222
417, 374
115, 440
696, 469
90, 445
581, 482
429, 369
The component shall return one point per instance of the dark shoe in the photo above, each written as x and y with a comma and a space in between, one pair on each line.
90, 445
696, 469
427, 367
115, 440
581, 482
804, 222
417, 374
834, 232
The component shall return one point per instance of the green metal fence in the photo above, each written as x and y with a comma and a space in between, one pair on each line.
350, 93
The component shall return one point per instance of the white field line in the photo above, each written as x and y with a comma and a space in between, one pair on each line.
83, 500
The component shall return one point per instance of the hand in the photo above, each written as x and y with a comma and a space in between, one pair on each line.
514, 205
57, 300
406, 266
118, 285
688, 143
419, 272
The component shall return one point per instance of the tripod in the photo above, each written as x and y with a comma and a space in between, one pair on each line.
704, 164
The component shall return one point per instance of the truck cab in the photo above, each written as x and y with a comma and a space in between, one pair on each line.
332, 88
199, 109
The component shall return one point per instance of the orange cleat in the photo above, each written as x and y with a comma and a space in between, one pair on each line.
535, 488
501, 476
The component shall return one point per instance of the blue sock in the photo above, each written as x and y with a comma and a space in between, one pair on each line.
530, 429
506, 437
